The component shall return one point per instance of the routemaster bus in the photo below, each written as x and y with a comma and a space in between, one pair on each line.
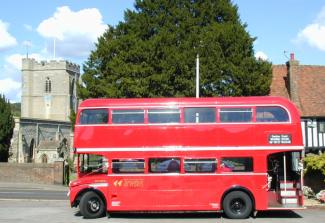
238, 155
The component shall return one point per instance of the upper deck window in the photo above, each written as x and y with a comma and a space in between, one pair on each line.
200, 115
130, 116
271, 114
163, 115
236, 114
93, 116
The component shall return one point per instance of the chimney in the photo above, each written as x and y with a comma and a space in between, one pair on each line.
293, 79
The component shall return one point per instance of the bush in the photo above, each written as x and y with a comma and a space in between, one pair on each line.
315, 162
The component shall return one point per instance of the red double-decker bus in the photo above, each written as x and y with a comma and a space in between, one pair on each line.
239, 155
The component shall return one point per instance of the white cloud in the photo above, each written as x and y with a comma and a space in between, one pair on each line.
74, 31
261, 55
15, 60
314, 33
9, 87
6, 39
10, 75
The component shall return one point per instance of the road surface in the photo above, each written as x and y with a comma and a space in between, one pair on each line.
32, 191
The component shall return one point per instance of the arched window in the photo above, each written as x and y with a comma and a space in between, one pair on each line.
48, 87
44, 158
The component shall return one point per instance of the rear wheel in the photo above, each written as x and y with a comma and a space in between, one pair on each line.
237, 205
91, 205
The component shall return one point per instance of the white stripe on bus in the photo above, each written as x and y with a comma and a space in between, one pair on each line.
179, 148
187, 174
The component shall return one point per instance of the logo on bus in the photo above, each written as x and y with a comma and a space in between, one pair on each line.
130, 183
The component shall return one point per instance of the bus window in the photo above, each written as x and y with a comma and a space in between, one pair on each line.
131, 116
200, 115
236, 164
93, 116
235, 114
91, 163
163, 115
200, 165
128, 166
271, 114
164, 165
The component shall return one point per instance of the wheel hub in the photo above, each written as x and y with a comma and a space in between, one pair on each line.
237, 206
94, 205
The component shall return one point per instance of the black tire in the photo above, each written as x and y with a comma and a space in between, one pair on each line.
92, 205
237, 205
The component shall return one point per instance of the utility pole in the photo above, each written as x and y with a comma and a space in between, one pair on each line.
197, 76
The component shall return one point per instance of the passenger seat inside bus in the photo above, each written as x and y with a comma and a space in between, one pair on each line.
173, 167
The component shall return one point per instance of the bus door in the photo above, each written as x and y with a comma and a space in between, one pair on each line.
285, 178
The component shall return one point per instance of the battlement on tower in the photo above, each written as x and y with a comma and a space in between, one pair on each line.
32, 64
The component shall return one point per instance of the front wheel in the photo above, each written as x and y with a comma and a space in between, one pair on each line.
91, 205
237, 205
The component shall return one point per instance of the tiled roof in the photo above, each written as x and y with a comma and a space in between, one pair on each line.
310, 87
49, 145
279, 81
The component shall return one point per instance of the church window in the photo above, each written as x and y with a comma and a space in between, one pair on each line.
48, 87
44, 158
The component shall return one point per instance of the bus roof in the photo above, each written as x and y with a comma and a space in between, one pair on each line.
258, 100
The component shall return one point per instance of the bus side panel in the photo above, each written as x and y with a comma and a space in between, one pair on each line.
254, 184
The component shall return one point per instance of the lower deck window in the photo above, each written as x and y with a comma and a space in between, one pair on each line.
91, 163
236, 164
128, 166
164, 165
200, 165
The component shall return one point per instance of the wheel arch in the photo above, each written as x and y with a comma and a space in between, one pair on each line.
238, 188
82, 192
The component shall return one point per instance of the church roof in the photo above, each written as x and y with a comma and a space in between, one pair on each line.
49, 145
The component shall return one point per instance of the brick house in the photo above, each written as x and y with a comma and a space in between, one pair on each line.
305, 86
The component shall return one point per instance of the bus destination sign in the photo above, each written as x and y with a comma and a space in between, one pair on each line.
280, 139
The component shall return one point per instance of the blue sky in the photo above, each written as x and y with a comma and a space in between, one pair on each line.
281, 27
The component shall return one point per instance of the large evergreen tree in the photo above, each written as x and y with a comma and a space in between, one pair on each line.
6, 128
152, 53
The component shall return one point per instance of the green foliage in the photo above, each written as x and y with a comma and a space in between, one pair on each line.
6, 128
16, 109
72, 117
315, 162
152, 53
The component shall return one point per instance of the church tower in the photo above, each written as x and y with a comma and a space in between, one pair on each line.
49, 89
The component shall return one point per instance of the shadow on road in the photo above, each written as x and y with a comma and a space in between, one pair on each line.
150, 215
277, 214
196, 215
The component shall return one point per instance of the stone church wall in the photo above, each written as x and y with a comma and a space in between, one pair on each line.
32, 173
28, 135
